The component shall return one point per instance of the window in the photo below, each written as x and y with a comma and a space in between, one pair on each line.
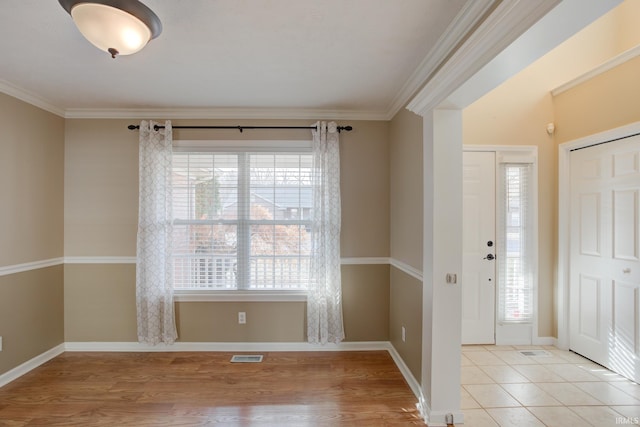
515, 238
242, 220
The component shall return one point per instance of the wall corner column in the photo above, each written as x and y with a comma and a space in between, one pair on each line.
441, 339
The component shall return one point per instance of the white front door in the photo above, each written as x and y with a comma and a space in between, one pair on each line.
478, 231
604, 283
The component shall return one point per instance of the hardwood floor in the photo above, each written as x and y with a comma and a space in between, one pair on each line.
203, 388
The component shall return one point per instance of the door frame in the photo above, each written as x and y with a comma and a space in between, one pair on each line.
511, 334
564, 218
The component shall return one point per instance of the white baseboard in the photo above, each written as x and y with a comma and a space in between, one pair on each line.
29, 365
414, 385
545, 341
226, 346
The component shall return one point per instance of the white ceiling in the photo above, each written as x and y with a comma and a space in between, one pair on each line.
357, 58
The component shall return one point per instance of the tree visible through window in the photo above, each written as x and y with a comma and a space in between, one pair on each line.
242, 220
207, 198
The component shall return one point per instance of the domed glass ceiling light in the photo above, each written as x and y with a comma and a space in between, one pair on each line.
120, 27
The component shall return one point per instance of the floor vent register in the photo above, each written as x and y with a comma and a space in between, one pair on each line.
246, 358
538, 353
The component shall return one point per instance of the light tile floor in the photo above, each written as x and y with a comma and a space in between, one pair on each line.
503, 387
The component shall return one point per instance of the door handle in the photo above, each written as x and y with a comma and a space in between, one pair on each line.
490, 257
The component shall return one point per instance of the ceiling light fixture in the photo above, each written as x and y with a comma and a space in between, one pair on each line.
120, 27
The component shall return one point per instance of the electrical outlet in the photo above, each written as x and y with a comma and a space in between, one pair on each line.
242, 317
404, 335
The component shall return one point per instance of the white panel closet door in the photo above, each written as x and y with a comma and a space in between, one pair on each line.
604, 255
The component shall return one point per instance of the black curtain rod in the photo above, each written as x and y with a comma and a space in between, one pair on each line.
240, 128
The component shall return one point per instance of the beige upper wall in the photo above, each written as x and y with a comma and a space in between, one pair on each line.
610, 35
31, 183
406, 178
607, 101
364, 184
101, 188
101, 182
625, 22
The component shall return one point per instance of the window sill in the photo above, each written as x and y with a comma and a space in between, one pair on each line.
239, 296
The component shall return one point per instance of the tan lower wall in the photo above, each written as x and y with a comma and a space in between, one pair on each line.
100, 306
100, 302
31, 183
365, 302
406, 310
31, 315
218, 321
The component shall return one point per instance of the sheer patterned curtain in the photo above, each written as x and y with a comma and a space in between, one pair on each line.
324, 296
154, 272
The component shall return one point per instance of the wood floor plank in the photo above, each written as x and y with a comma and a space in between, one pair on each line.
205, 388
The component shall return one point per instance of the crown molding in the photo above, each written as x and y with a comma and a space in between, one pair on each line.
459, 28
509, 20
223, 113
190, 113
30, 98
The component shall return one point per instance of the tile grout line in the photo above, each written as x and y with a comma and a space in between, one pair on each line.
485, 360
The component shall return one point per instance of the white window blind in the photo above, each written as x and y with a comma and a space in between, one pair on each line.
515, 242
242, 220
